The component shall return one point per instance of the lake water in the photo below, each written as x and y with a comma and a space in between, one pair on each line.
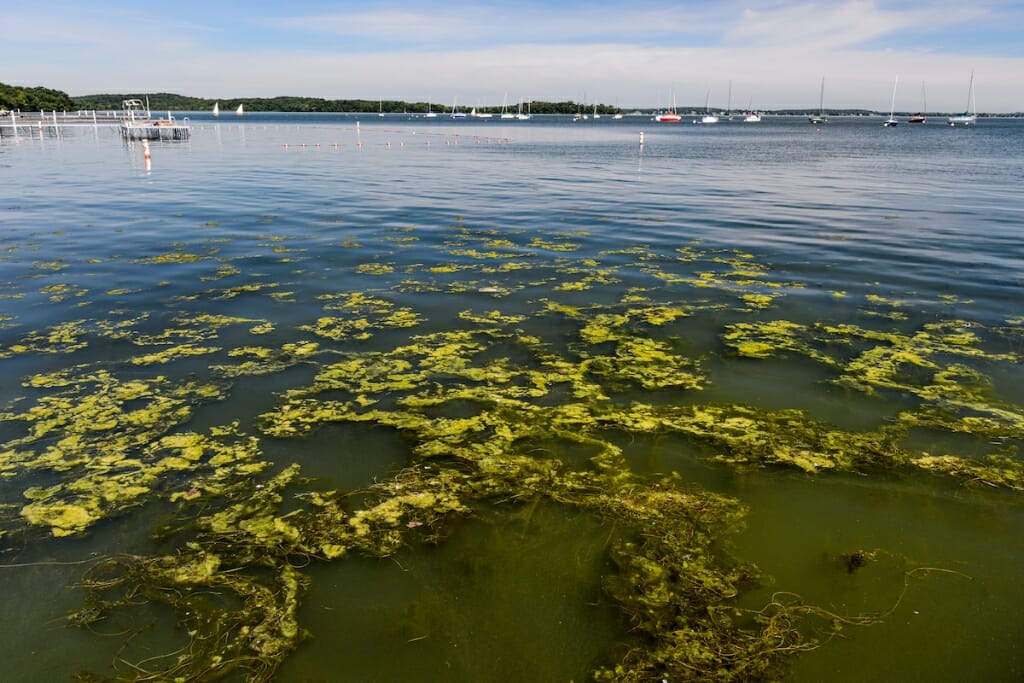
862, 278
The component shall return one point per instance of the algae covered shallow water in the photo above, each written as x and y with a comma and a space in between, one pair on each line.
434, 400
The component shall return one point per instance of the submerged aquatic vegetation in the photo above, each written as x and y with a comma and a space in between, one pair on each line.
539, 401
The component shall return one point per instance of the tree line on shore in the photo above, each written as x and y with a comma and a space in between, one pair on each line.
22, 98
15, 97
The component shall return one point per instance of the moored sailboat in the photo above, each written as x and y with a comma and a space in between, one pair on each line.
456, 114
751, 115
923, 116
520, 116
505, 113
967, 118
669, 116
820, 117
891, 121
708, 116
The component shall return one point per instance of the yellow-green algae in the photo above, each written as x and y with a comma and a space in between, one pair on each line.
474, 419
111, 441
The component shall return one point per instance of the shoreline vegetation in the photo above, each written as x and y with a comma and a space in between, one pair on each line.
40, 98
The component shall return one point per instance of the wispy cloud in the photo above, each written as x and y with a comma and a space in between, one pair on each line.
128, 33
830, 26
474, 24
773, 51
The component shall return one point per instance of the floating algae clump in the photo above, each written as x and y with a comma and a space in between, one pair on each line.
111, 442
540, 403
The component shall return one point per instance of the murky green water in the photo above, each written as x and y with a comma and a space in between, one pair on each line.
513, 366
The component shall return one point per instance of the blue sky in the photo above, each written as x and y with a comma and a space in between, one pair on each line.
768, 53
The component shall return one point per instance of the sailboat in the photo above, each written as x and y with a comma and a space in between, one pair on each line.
240, 111
891, 121
820, 118
216, 108
430, 114
923, 116
505, 113
580, 116
708, 116
520, 115
670, 116
752, 116
381, 111
618, 112
456, 114
967, 118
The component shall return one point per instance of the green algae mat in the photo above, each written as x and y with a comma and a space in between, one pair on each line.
513, 374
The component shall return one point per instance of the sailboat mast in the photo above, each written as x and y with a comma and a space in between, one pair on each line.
972, 105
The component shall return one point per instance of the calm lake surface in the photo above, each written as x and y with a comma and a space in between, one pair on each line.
252, 234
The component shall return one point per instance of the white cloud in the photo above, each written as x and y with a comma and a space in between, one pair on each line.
829, 26
509, 23
775, 56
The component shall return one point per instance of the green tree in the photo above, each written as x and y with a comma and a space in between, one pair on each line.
34, 99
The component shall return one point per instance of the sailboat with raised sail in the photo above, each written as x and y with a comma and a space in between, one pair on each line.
923, 115
891, 122
240, 111
969, 117
820, 117
216, 108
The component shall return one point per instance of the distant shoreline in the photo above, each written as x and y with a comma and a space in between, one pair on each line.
35, 99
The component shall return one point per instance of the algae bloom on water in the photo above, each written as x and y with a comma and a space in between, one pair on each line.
535, 387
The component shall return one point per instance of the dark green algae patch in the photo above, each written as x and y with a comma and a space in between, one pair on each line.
491, 403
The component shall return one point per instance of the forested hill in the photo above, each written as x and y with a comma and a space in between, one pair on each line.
161, 101
40, 98
34, 99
